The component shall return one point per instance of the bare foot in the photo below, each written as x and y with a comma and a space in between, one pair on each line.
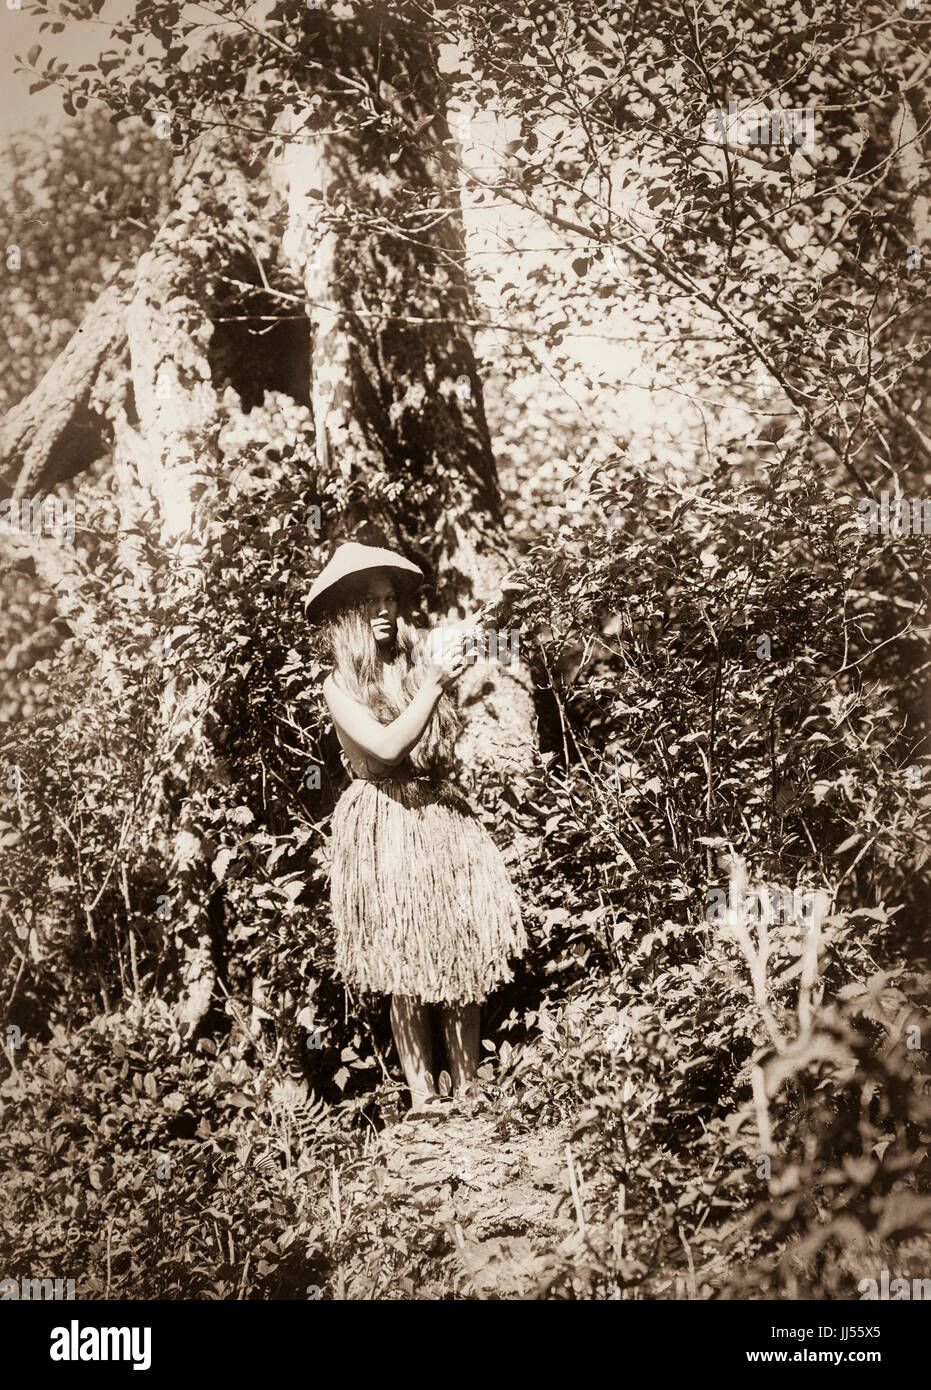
419, 1103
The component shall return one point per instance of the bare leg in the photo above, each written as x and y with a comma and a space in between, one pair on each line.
411, 1027
461, 1027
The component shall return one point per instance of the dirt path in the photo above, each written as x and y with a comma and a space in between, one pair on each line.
497, 1198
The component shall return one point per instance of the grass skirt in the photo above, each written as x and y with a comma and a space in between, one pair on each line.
422, 901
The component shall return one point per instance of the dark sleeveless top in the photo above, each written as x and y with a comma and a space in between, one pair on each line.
405, 769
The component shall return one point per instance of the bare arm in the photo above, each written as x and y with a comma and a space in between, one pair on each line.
390, 743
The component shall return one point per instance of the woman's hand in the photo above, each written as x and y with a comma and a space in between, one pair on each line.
445, 667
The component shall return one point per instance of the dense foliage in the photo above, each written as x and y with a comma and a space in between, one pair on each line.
731, 681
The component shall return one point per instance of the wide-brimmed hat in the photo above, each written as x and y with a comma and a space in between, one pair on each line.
335, 581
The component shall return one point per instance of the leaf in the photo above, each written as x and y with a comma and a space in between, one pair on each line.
904, 1212
221, 863
849, 843
33, 54
555, 916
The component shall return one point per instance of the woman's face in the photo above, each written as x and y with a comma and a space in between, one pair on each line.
381, 606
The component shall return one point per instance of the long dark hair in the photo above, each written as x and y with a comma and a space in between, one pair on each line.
386, 684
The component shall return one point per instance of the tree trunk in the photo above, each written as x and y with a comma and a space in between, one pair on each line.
59, 429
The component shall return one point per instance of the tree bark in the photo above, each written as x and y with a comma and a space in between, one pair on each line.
59, 430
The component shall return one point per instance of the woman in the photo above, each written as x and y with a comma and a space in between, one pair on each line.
423, 908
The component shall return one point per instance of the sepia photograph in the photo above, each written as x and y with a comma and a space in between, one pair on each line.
465, 717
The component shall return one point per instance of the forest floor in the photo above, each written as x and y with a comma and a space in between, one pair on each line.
504, 1202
